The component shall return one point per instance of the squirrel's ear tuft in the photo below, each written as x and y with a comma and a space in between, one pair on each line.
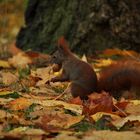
61, 41
62, 44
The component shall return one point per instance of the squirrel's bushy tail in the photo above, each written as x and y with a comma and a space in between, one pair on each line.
120, 76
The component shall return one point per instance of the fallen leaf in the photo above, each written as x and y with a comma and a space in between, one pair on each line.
42, 91
13, 119
119, 108
76, 100
99, 115
121, 104
34, 131
100, 103
8, 78
18, 119
135, 102
20, 60
4, 101
6, 92
109, 135
60, 120
19, 104
42, 73
4, 64
26, 130
133, 109
3, 114
30, 81
73, 107
67, 135
120, 122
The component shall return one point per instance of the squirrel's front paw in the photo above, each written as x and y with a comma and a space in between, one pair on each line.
48, 82
51, 80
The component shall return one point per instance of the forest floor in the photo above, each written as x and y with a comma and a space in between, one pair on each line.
27, 104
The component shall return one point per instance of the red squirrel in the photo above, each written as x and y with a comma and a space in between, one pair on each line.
81, 75
120, 76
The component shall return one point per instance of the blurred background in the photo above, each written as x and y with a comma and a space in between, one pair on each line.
11, 19
89, 26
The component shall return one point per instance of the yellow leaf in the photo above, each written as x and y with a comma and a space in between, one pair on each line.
135, 102
19, 129
27, 130
4, 64
6, 92
98, 115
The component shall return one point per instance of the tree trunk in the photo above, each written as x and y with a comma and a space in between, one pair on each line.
88, 25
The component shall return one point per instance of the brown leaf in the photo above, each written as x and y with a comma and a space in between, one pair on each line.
76, 100
122, 105
59, 120
100, 103
30, 81
119, 108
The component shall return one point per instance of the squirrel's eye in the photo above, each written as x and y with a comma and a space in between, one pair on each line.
53, 56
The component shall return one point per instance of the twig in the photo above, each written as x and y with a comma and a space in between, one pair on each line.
120, 111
